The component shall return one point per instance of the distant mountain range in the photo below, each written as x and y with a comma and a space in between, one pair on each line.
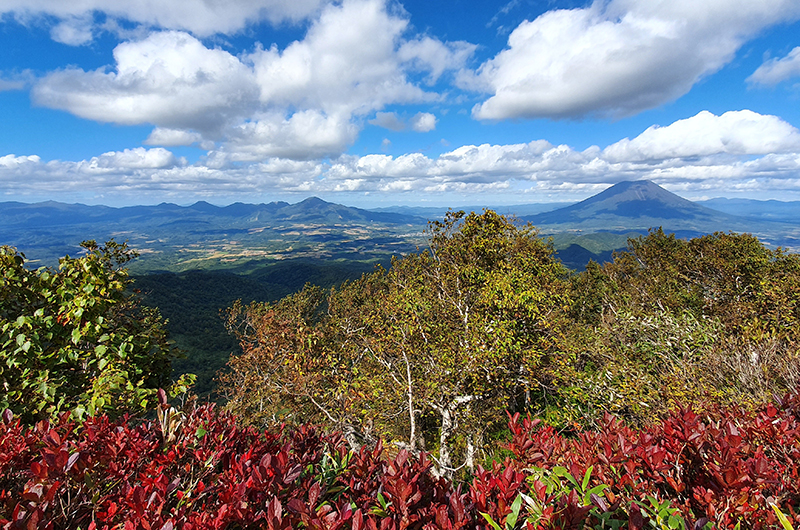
311, 210
202, 235
771, 210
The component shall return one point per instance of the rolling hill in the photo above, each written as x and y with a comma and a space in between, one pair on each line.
203, 236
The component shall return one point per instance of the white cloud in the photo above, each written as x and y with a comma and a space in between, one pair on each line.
137, 158
6, 84
433, 56
169, 79
420, 122
308, 100
73, 31
423, 122
200, 17
617, 57
348, 62
776, 70
18, 80
173, 137
305, 135
11, 163
735, 133
149, 176
704, 154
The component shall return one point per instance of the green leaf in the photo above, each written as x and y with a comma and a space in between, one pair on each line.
490, 521
785, 523
586, 478
676, 523
511, 519
382, 501
597, 490
560, 471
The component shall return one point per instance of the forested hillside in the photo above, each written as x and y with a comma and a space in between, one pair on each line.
194, 303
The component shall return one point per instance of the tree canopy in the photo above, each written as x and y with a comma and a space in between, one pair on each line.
709, 319
429, 353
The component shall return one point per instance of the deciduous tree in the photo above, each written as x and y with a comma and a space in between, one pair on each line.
457, 333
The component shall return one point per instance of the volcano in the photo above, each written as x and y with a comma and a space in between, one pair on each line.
637, 205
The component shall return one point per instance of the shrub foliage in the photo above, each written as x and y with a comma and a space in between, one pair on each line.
199, 469
75, 339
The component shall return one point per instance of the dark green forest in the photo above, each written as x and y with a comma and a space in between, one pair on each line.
194, 302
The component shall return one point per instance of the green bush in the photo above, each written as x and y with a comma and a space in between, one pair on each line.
74, 339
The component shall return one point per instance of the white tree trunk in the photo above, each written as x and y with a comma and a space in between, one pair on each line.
448, 426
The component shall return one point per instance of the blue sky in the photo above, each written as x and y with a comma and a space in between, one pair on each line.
377, 102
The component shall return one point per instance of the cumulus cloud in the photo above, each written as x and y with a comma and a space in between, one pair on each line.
735, 133
18, 80
420, 122
170, 79
435, 57
6, 84
736, 148
174, 137
423, 122
703, 154
150, 175
137, 158
307, 100
776, 70
616, 58
388, 120
200, 17
346, 63
305, 135
73, 31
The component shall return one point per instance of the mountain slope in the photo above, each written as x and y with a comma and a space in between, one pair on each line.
637, 205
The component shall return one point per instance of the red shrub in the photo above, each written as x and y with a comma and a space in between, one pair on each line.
723, 467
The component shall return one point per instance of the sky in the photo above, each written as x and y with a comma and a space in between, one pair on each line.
380, 102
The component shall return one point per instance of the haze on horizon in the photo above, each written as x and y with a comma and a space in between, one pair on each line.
377, 102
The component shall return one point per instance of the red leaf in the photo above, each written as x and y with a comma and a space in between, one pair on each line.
275, 509
358, 520
635, 519
71, 461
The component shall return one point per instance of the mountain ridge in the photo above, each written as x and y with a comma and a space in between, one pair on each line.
203, 233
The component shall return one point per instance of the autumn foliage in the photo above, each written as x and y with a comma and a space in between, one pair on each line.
202, 471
